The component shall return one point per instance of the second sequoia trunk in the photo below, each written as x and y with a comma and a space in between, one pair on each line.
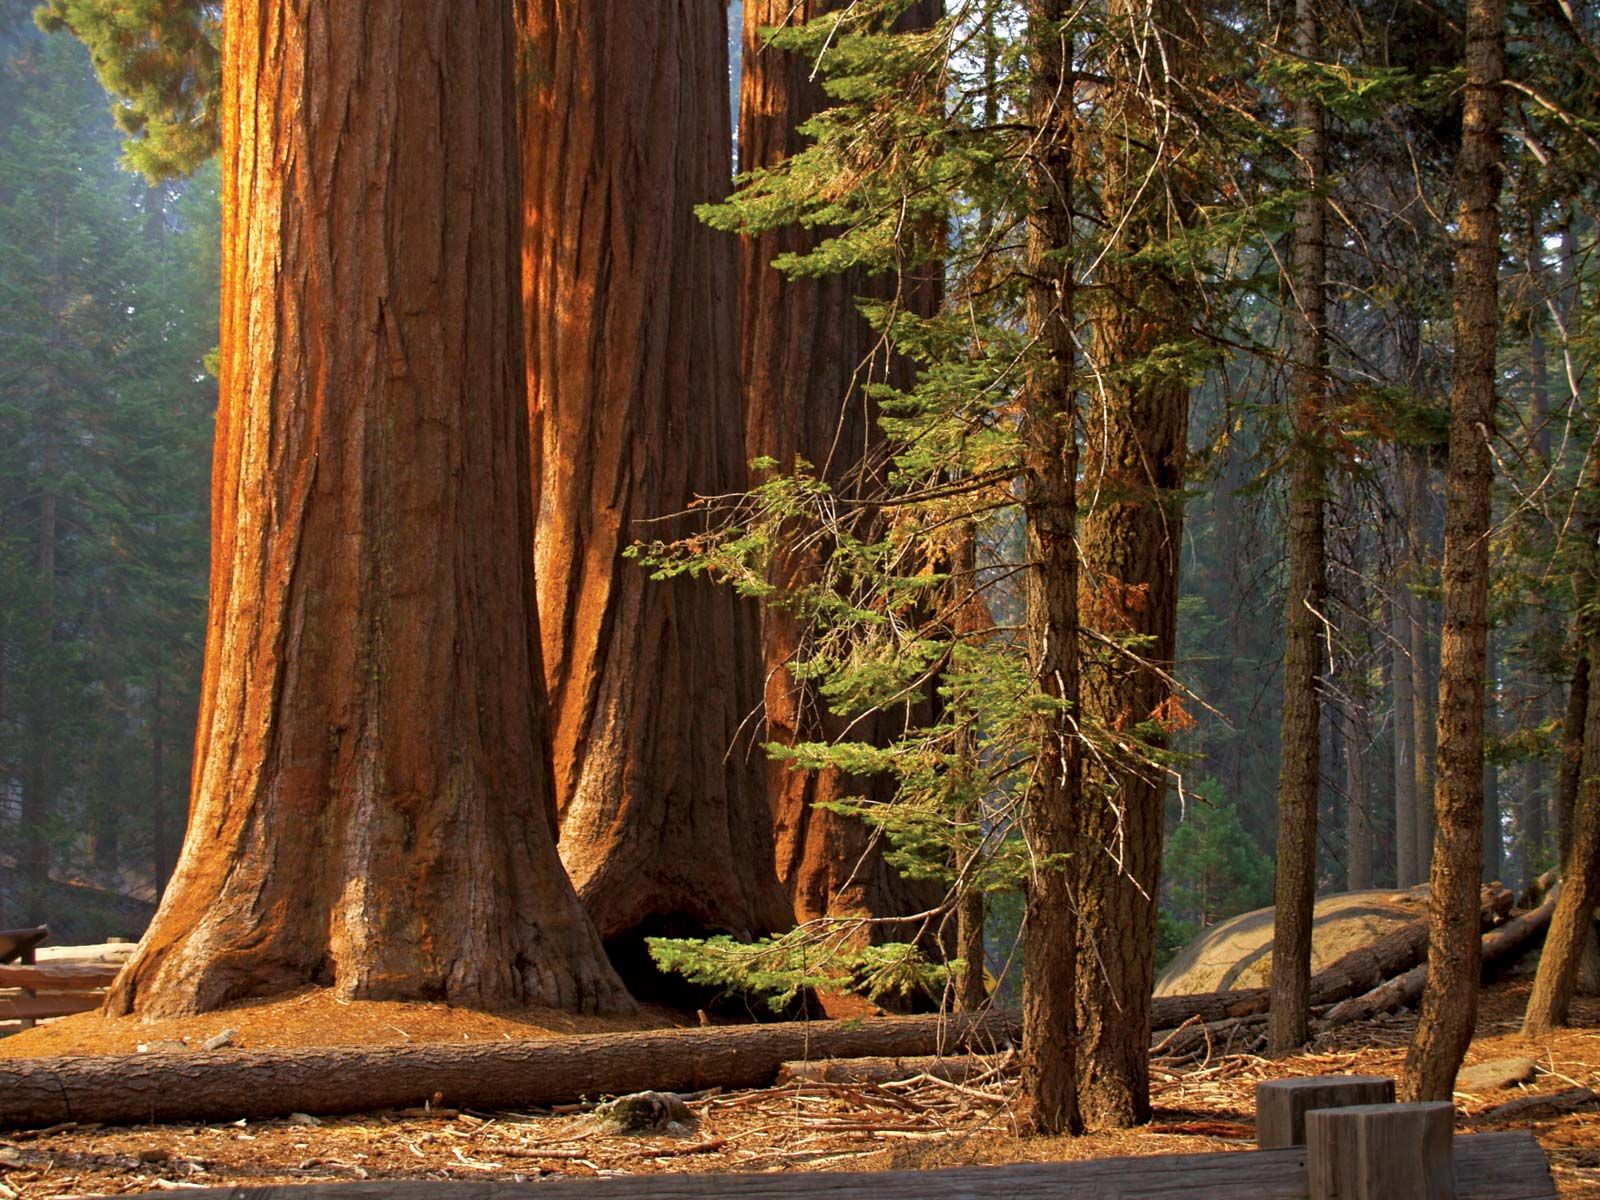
808, 355
631, 323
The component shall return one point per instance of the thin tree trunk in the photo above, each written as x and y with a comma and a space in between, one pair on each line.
1424, 675
808, 358
1492, 847
1300, 774
160, 841
1570, 773
972, 991
372, 795
1050, 470
1403, 712
632, 326
1359, 875
1572, 926
1450, 1000
1572, 936
39, 775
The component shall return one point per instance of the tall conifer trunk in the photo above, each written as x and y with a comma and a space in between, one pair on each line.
1405, 743
372, 796
808, 356
1131, 535
1300, 775
632, 327
1450, 1000
1052, 1057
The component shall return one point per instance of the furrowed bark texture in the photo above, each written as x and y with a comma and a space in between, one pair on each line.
632, 316
1450, 1000
807, 356
1131, 535
1050, 1056
1300, 775
372, 798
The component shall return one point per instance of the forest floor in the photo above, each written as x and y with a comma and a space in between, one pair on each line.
924, 1123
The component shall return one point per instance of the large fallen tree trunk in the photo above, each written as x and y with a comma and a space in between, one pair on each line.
1405, 990
1358, 971
229, 1084
960, 1068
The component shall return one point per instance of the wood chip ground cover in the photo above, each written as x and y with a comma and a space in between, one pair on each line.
920, 1123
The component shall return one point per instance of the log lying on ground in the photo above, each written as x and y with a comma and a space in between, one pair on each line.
229, 1084
1405, 990
1358, 971
961, 1068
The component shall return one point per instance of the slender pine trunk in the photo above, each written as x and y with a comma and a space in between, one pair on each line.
1300, 775
1450, 1000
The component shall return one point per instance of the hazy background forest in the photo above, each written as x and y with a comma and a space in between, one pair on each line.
108, 312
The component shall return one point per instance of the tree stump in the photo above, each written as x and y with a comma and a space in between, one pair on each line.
1379, 1151
1282, 1104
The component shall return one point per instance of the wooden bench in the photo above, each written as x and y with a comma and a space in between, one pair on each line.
1364, 1152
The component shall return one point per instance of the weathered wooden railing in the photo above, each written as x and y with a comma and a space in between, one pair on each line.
1321, 1139
39, 982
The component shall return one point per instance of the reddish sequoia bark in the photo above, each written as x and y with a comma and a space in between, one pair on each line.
373, 806
807, 355
631, 320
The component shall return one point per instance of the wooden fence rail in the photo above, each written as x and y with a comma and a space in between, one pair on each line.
38, 982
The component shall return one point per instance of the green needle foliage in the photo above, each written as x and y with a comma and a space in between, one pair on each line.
162, 61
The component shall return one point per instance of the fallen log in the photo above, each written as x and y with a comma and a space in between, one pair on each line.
1358, 971
230, 1084
960, 1068
1405, 990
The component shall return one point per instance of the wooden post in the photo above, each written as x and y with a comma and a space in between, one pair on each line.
1282, 1104
1381, 1152
29, 958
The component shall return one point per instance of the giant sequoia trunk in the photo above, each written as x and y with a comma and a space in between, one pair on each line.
1450, 1001
1137, 420
631, 325
1300, 775
808, 356
372, 797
